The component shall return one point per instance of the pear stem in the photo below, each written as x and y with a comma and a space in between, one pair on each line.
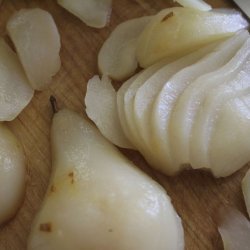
53, 103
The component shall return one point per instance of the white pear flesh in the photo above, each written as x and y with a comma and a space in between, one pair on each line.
12, 174
185, 111
94, 13
234, 229
37, 42
235, 81
229, 147
173, 32
117, 57
97, 199
173, 88
196, 4
147, 92
101, 108
246, 190
15, 91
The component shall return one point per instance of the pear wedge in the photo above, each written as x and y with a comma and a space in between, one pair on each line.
37, 41
15, 91
174, 32
101, 108
94, 13
246, 190
117, 56
189, 102
97, 199
12, 174
195, 4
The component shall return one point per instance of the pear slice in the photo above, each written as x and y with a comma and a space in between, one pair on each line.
173, 32
37, 41
147, 92
124, 97
101, 108
117, 56
94, 13
120, 108
12, 174
228, 145
234, 229
195, 4
168, 96
188, 104
235, 81
15, 92
246, 190
97, 199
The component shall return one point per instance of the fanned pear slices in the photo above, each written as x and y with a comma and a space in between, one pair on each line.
15, 92
173, 88
94, 13
146, 93
246, 190
173, 32
187, 106
37, 41
97, 199
101, 108
117, 57
12, 174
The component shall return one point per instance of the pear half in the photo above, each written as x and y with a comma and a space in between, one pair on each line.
12, 174
15, 91
97, 199
37, 41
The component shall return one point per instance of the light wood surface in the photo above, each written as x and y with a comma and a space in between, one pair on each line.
196, 195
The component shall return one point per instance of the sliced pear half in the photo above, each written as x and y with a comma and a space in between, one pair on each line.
190, 101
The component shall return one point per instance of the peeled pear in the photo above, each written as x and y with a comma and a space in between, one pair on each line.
15, 91
12, 174
173, 32
188, 104
97, 199
94, 13
37, 42
234, 229
117, 56
195, 4
101, 108
246, 190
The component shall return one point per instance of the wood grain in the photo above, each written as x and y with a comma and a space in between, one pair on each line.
196, 195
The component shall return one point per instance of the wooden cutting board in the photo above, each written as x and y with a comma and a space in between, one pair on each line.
196, 195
